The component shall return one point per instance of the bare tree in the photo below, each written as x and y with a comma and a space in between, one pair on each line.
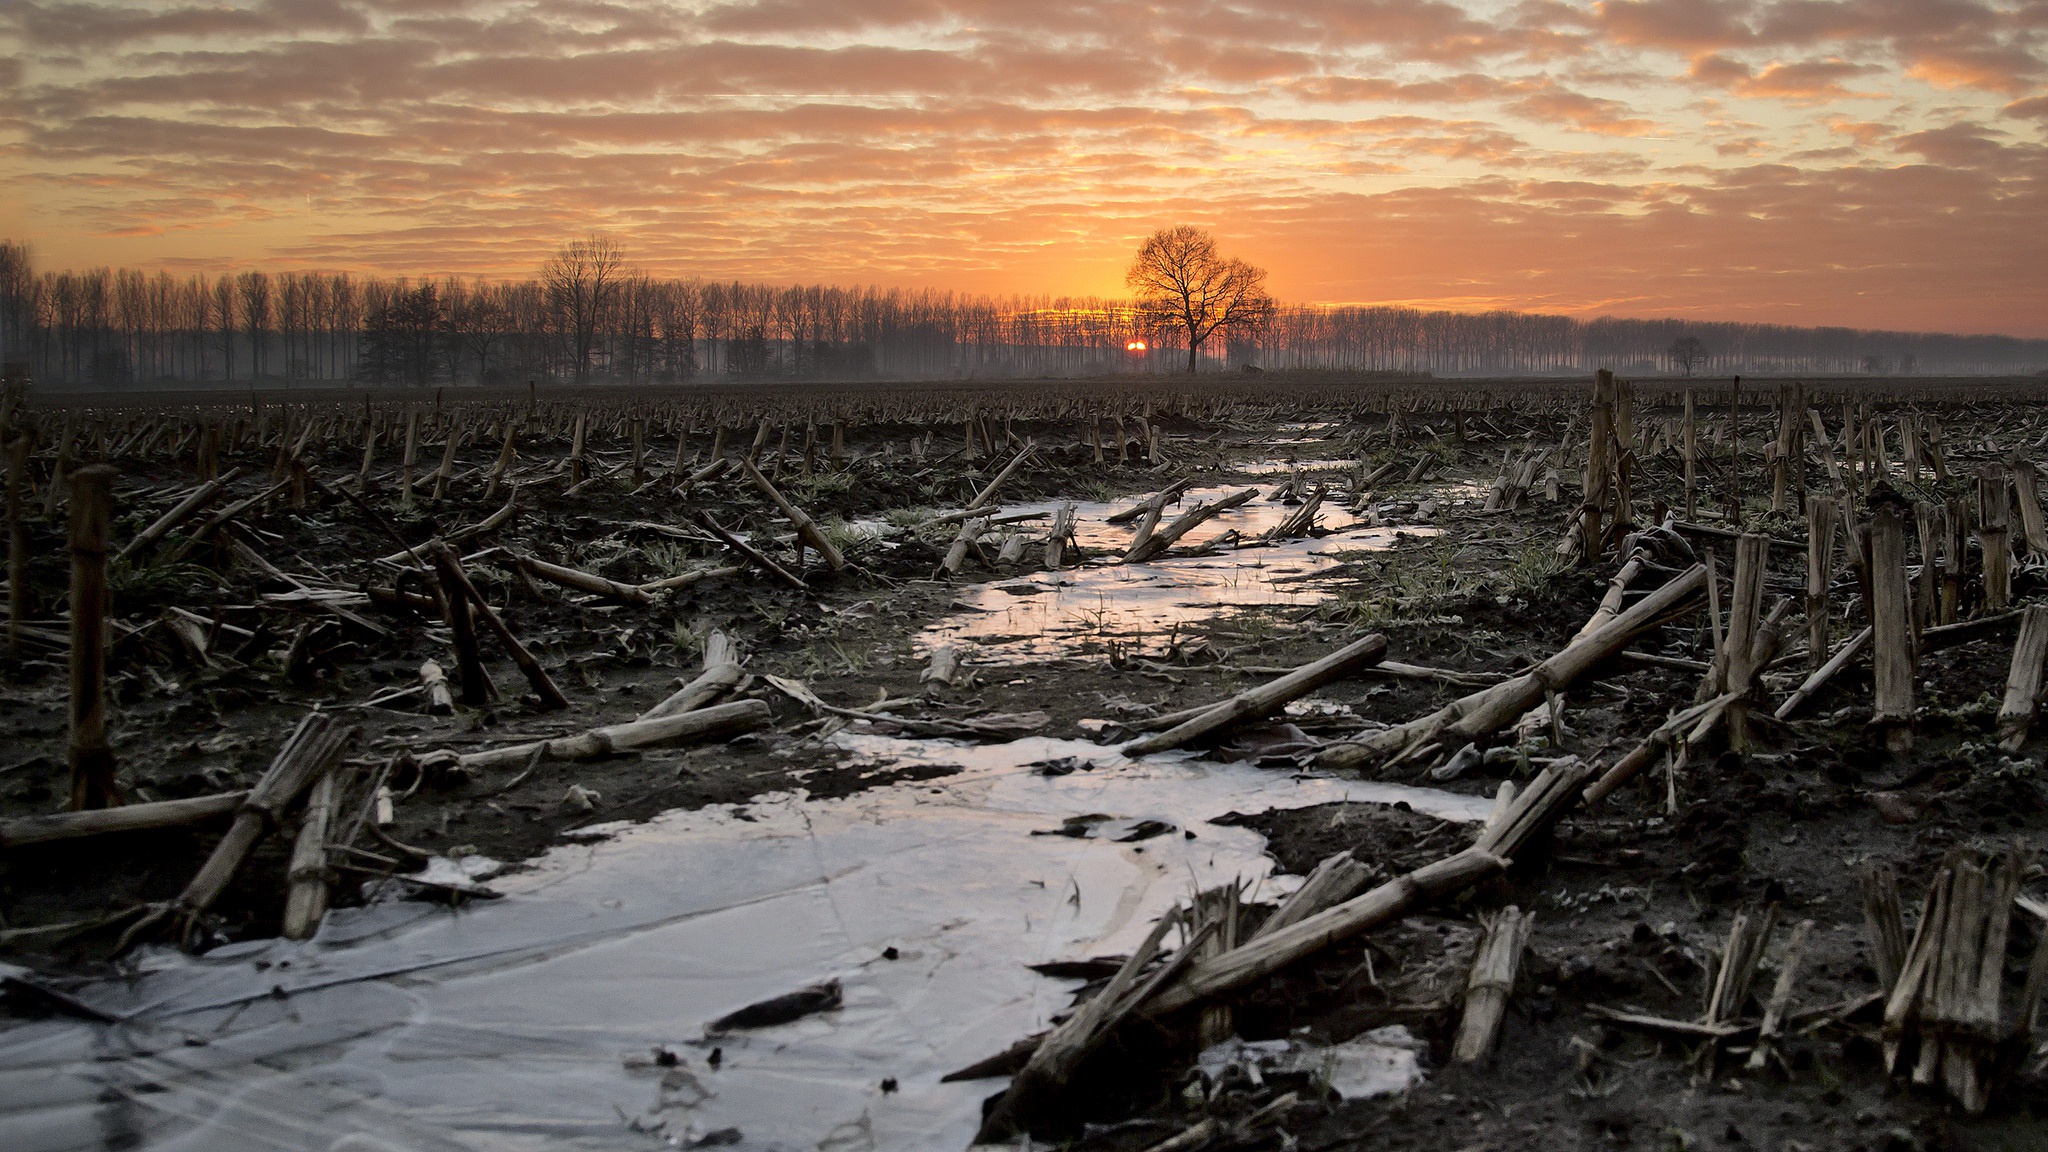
582, 282
1184, 286
1688, 353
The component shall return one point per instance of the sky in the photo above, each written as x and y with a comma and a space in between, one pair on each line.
1872, 163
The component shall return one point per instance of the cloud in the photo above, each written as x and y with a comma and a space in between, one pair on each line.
1805, 82
1582, 112
1547, 153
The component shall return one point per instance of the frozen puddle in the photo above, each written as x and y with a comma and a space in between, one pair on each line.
529, 1022
1045, 615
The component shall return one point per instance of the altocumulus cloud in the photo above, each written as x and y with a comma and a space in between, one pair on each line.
1868, 162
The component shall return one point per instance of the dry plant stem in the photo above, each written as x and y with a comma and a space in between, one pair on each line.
1494, 965
477, 689
1052, 1063
506, 454
1617, 592
1891, 622
17, 539
718, 466
806, 529
1822, 517
1548, 797
455, 583
20, 830
1336, 879
1043, 1079
580, 581
440, 701
1737, 969
943, 667
1263, 699
313, 749
956, 553
1599, 470
722, 673
684, 580
749, 553
1156, 501
723, 720
447, 468
1781, 998
1884, 924
1743, 655
1948, 994
1826, 672
1062, 536
307, 902
1479, 715
184, 510
988, 490
222, 518
411, 459
92, 761
2023, 681
2026, 493
1663, 739
1219, 909
1163, 539
1994, 536
491, 523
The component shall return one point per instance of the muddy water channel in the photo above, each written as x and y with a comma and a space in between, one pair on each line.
573, 1012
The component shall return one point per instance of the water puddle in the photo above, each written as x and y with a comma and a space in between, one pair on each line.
540, 1021
1314, 470
1078, 612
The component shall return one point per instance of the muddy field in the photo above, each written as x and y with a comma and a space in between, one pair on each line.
930, 795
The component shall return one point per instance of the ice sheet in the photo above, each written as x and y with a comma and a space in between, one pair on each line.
528, 1023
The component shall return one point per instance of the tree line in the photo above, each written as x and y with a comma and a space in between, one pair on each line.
588, 317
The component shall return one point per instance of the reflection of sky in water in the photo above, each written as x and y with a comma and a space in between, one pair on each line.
1285, 468
527, 1024
1045, 615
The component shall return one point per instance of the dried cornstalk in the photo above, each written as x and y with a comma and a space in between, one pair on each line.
16, 831
718, 722
749, 553
306, 904
722, 673
1494, 965
1154, 544
1336, 879
807, 529
1266, 697
577, 580
1781, 998
2023, 681
1891, 622
1483, 713
313, 750
184, 510
456, 585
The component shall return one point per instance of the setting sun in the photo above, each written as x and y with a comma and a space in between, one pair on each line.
1135, 346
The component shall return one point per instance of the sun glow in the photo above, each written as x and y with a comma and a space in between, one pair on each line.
1135, 346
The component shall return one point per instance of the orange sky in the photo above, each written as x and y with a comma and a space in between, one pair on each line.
1876, 163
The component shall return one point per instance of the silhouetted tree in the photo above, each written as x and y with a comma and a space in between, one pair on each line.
747, 355
1688, 353
1184, 286
402, 341
582, 282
